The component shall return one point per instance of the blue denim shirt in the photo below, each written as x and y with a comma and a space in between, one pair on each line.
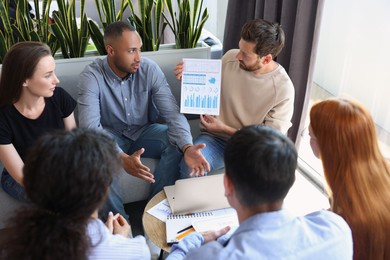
127, 106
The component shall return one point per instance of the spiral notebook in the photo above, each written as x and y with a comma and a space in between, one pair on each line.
180, 225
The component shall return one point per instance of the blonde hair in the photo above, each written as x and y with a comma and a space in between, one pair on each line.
357, 173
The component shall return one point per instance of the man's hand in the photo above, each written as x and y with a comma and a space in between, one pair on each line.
178, 70
195, 160
212, 235
214, 125
133, 165
117, 224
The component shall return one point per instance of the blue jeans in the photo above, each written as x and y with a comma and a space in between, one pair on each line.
213, 152
13, 188
156, 143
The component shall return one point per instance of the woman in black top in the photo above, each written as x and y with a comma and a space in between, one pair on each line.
30, 105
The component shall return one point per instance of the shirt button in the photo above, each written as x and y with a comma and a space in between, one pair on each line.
122, 83
125, 99
128, 114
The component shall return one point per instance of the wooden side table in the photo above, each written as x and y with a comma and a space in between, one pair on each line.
154, 228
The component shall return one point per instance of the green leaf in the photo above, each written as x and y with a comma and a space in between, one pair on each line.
97, 37
4, 46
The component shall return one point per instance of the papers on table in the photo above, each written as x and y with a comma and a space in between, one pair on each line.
201, 86
227, 217
161, 210
180, 225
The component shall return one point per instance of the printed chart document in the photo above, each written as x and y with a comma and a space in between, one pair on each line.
201, 86
161, 210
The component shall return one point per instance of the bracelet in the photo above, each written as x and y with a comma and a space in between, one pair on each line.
185, 149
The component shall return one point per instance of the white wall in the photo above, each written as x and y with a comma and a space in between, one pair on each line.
217, 15
353, 57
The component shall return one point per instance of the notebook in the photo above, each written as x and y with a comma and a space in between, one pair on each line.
180, 225
197, 194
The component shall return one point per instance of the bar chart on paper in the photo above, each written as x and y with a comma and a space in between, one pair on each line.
201, 87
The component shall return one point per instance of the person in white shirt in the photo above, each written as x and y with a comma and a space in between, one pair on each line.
67, 176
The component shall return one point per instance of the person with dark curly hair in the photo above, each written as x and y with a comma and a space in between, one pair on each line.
67, 177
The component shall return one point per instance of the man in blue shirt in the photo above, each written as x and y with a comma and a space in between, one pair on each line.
124, 96
260, 165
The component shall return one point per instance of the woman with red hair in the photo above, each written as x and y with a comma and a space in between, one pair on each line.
343, 136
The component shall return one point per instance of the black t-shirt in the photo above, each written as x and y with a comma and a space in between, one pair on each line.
22, 132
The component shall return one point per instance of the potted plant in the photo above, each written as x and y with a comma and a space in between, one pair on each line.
24, 26
6, 35
149, 24
73, 39
107, 14
188, 24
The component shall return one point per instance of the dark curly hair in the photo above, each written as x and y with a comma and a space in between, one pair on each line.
66, 178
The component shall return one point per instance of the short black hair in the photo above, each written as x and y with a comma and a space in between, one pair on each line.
114, 30
261, 162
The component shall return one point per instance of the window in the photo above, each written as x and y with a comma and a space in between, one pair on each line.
353, 60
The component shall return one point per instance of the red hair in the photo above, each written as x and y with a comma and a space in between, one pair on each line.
357, 173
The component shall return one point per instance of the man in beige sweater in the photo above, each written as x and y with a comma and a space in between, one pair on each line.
255, 90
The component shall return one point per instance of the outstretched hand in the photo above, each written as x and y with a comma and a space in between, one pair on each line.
212, 235
133, 165
196, 161
178, 70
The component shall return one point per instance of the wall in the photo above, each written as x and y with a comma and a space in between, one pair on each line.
353, 56
217, 16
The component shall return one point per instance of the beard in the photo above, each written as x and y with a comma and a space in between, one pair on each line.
254, 67
126, 69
